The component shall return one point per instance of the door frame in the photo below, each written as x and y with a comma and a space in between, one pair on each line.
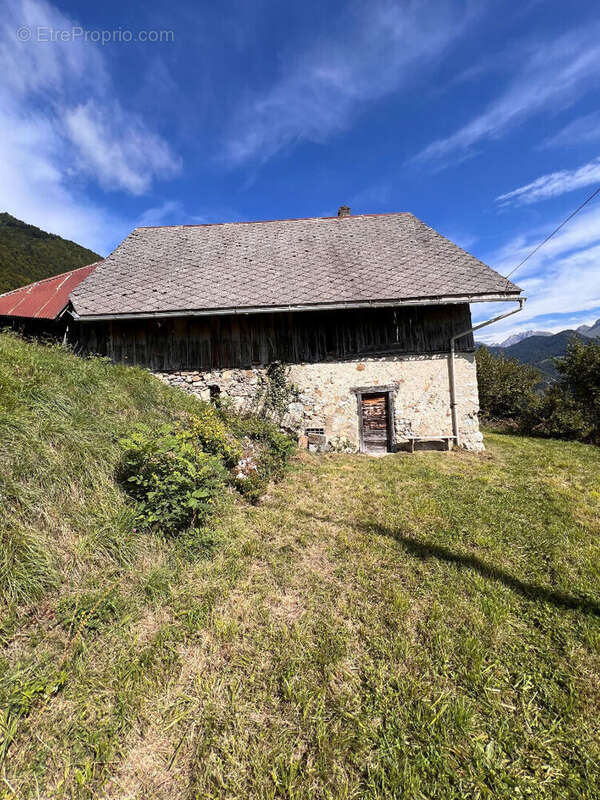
389, 392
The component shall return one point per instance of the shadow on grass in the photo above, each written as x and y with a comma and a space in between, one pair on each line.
426, 550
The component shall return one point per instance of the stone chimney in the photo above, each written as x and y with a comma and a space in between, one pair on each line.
344, 211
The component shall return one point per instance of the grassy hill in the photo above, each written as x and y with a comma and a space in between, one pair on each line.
539, 351
409, 626
28, 254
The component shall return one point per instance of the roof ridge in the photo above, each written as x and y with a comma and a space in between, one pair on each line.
265, 221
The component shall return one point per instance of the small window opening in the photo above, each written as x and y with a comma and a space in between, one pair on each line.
315, 431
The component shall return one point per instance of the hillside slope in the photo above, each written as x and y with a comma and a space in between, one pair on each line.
28, 254
409, 626
539, 351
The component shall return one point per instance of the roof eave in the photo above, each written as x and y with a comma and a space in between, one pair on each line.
211, 312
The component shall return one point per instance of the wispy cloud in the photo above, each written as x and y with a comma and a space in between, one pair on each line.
169, 211
553, 184
62, 127
551, 76
129, 162
330, 81
562, 279
582, 130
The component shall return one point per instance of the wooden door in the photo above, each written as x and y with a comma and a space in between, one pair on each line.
375, 424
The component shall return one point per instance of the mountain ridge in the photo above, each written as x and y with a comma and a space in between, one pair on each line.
540, 351
590, 331
29, 254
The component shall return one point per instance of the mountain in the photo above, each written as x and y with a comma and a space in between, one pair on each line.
591, 331
518, 337
539, 350
28, 254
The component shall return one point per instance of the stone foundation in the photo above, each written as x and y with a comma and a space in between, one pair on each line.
421, 395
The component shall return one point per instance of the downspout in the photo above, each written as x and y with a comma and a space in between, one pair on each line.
455, 428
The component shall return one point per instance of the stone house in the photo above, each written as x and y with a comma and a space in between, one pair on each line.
370, 312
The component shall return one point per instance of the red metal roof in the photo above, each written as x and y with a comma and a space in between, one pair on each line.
44, 299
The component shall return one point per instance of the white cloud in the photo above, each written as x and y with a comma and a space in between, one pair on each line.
161, 215
62, 127
127, 162
580, 131
554, 184
579, 234
32, 186
326, 85
562, 281
552, 76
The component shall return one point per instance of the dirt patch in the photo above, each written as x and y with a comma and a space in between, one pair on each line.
149, 770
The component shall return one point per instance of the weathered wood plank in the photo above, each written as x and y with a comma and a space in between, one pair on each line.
240, 341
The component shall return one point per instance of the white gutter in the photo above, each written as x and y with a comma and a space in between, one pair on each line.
210, 312
455, 428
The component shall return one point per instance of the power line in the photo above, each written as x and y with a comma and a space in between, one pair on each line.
556, 230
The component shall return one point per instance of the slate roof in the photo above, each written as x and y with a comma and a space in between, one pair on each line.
305, 262
44, 299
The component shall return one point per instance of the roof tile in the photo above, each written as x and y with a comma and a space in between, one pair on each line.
305, 262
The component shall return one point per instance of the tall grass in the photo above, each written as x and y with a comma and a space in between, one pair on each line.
60, 420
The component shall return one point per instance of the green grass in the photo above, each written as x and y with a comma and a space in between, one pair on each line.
62, 513
419, 626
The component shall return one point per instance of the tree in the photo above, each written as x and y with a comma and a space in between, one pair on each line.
579, 374
506, 387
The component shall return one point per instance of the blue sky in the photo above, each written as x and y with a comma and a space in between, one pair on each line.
481, 118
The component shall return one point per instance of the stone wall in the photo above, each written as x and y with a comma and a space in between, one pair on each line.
326, 400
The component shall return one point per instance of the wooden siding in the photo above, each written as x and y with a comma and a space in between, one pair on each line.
219, 342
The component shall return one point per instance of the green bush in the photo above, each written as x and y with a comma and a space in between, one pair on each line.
253, 485
506, 387
567, 409
173, 481
557, 415
214, 437
275, 446
580, 376
269, 449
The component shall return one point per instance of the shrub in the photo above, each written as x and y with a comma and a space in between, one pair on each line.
252, 486
173, 481
270, 450
214, 437
275, 446
580, 377
568, 409
556, 414
506, 387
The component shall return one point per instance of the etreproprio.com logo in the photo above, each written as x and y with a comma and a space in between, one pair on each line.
44, 33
